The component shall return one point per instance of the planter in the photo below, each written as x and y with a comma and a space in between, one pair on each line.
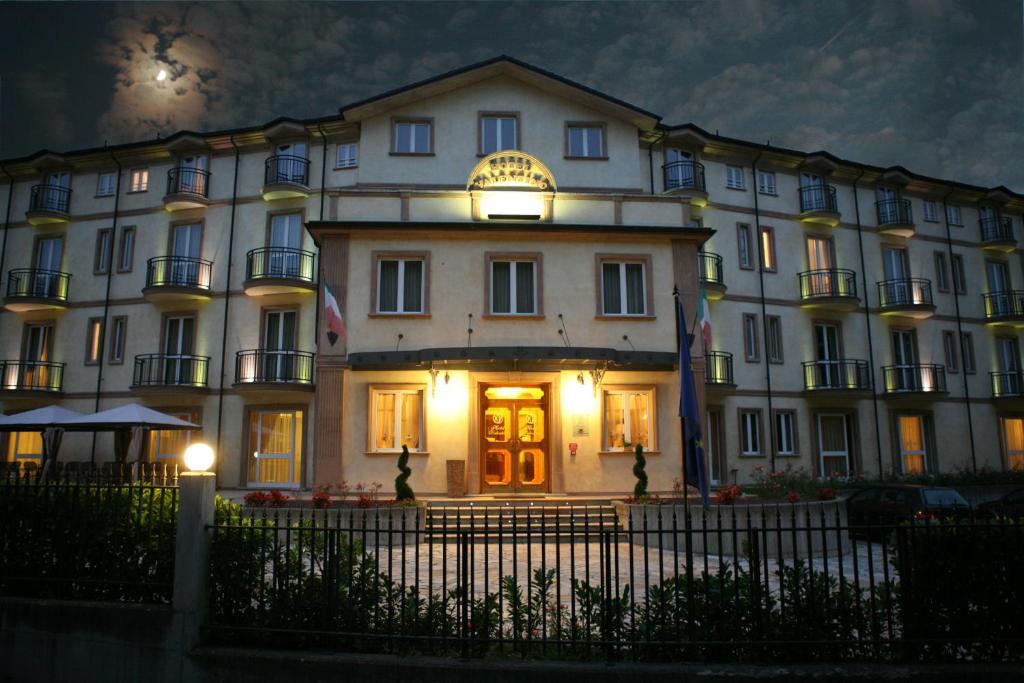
783, 530
398, 525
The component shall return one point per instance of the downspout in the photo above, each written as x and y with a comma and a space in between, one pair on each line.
960, 335
650, 163
323, 195
764, 316
106, 302
227, 301
867, 324
7, 217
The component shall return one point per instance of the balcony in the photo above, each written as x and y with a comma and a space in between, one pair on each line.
834, 289
718, 370
264, 369
1004, 308
158, 371
997, 233
686, 179
177, 278
285, 176
836, 376
187, 188
818, 205
30, 378
914, 379
709, 270
49, 204
1007, 385
279, 270
895, 217
906, 298
35, 289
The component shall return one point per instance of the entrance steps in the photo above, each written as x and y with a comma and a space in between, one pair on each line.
520, 521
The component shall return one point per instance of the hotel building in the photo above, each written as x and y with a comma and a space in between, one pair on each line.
502, 246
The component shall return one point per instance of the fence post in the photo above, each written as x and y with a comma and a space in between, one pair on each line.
464, 592
755, 576
197, 491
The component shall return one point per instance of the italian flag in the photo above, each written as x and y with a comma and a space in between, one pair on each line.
332, 314
704, 316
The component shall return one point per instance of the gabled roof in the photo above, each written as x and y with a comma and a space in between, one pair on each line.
502, 65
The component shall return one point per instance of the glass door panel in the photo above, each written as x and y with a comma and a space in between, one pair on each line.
275, 438
514, 440
285, 234
49, 253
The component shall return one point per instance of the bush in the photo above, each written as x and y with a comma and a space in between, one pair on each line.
403, 491
640, 489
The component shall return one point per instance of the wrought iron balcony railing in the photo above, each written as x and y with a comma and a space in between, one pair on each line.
178, 271
904, 292
286, 168
818, 199
826, 375
31, 375
894, 212
827, 284
684, 175
718, 368
53, 198
188, 180
259, 366
37, 283
170, 370
1007, 384
1004, 305
924, 378
280, 263
709, 268
996, 229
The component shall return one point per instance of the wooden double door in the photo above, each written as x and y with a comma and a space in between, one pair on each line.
514, 443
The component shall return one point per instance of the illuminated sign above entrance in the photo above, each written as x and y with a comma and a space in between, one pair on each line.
511, 185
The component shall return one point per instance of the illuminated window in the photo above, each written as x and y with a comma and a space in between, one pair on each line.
170, 444
396, 419
275, 445
623, 288
25, 446
765, 182
513, 287
138, 180
734, 177
93, 341
585, 141
913, 451
106, 184
768, 250
348, 155
750, 432
498, 132
412, 137
400, 284
629, 418
1013, 441
834, 445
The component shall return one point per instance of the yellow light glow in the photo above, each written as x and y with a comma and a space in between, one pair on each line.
162, 75
449, 400
512, 393
198, 457
512, 204
578, 399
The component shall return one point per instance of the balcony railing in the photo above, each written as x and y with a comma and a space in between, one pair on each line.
709, 268
684, 175
894, 212
996, 229
818, 199
170, 370
285, 168
178, 271
904, 292
1007, 384
276, 367
36, 283
31, 375
718, 368
827, 284
188, 180
53, 198
279, 263
1003, 305
914, 378
848, 375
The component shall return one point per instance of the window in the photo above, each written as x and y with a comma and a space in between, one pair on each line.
348, 155
106, 184
931, 211
1013, 442
913, 451
941, 274
623, 288
750, 432
412, 137
968, 344
750, 347
25, 446
785, 432
834, 445
744, 246
167, 445
585, 141
513, 286
628, 418
396, 419
959, 277
768, 264
774, 338
734, 177
93, 341
953, 215
275, 442
949, 348
138, 180
498, 132
104, 244
399, 285
118, 333
126, 254
766, 182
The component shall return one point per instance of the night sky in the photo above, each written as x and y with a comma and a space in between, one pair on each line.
934, 85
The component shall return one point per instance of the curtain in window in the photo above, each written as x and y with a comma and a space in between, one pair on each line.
912, 444
387, 296
384, 421
638, 419
614, 419
25, 446
410, 421
1014, 435
524, 287
501, 287
634, 288
610, 283
413, 293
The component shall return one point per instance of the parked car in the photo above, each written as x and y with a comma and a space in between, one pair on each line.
889, 505
1010, 505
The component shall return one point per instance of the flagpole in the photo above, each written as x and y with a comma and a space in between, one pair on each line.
682, 421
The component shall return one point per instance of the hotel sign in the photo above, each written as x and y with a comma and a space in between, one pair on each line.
510, 169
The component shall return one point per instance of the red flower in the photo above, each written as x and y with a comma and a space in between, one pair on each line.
727, 494
321, 500
793, 497
826, 493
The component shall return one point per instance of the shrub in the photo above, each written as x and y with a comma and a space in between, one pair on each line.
264, 499
321, 500
640, 490
727, 495
403, 491
826, 493
792, 497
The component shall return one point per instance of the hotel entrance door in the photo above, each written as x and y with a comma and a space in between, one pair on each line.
514, 439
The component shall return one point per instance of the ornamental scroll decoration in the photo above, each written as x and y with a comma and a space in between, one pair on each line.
510, 169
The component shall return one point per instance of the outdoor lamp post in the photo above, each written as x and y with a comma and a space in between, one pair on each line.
197, 489
198, 458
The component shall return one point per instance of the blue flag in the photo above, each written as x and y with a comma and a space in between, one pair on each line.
695, 470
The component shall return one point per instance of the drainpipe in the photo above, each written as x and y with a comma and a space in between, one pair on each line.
323, 195
7, 218
867, 325
764, 315
106, 303
960, 335
227, 301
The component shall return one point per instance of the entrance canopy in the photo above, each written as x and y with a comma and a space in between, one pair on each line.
525, 358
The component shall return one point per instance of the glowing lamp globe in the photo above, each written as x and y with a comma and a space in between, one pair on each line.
198, 457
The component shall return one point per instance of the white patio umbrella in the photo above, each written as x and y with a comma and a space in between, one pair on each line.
50, 420
127, 422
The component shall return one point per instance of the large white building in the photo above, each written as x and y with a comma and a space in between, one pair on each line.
502, 245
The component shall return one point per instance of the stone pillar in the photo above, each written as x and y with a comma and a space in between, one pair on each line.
686, 278
331, 361
196, 494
